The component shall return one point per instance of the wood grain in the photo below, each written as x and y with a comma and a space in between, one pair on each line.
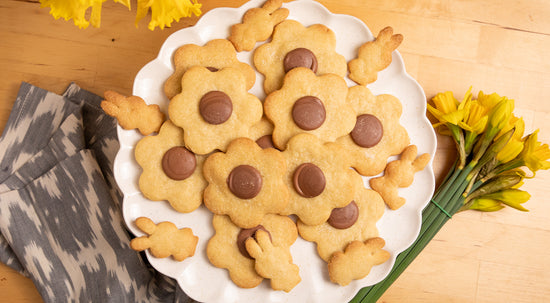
498, 46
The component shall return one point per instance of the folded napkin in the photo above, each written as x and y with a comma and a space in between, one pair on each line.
61, 222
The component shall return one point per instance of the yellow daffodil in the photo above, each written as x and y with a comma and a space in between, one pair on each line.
163, 12
515, 144
447, 109
488, 101
535, 155
499, 116
476, 117
75, 10
487, 205
511, 197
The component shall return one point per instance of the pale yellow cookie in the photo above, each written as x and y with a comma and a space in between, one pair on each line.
168, 167
132, 112
308, 103
374, 56
335, 234
377, 133
262, 133
257, 25
399, 173
319, 43
214, 108
227, 248
273, 262
165, 239
319, 178
357, 260
216, 54
245, 183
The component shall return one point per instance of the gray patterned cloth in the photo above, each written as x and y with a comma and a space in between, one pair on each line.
60, 209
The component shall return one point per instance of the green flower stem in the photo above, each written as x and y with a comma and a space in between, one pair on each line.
449, 197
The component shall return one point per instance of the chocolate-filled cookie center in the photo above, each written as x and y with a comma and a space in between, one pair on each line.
245, 181
368, 131
344, 217
178, 163
215, 107
246, 233
309, 180
300, 57
308, 113
265, 142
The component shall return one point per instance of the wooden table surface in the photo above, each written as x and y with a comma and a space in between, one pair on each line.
498, 46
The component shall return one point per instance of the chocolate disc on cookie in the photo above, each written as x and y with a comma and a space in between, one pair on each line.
344, 217
246, 233
265, 142
245, 181
178, 163
368, 131
309, 180
215, 107
300, 57
308, 113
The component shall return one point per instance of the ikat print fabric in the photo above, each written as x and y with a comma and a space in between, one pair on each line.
61, 223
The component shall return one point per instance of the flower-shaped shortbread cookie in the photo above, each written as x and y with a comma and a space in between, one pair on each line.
355, 221
319, 178
214, 108
246, 183
377, 134
216, 54
227, 249
170, 171
294, 45
310, 104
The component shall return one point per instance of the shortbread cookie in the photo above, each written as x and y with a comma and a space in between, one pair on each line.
273, 262
165, 239
214, 108
319, 178
399, 173
353, 222
294, 45
377, 133
215, 55
357, 260
132, 112
257, 25
308, 103
374, 56
245, 183
227, 248
168, 167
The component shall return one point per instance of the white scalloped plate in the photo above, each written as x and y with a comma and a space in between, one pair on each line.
196, 276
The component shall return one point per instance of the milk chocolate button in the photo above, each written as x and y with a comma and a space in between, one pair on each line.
245, 181
244, 234
308, 113
212, 69
368, 131
300, 57
309, 180
178, 163
215, 107
265, 142
344, 217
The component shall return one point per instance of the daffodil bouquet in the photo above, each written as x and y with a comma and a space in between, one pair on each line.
163, 12
494, 157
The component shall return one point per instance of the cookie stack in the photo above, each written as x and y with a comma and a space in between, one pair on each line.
292, 164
